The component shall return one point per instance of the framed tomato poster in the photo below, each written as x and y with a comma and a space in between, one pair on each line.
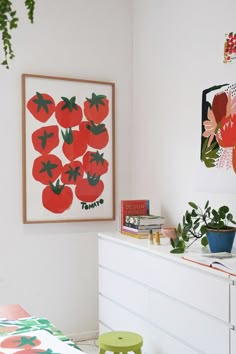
68, 149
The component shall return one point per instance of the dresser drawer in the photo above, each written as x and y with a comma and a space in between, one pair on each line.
116, 317
233, 341
201, 331
177, 306
200, 289
159, 342
233, 304
125, 292
154, 339
125, 260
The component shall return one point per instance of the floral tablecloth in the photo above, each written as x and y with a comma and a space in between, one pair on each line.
13, 327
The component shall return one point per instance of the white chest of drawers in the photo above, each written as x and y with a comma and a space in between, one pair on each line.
177, 306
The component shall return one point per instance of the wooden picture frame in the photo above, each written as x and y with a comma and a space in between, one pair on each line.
68, 149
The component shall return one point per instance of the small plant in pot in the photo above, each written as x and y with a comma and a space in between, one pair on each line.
213, 226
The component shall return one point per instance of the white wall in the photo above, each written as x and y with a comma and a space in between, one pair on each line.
178, 52
51, 269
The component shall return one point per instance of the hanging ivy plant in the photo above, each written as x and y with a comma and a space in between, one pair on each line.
9, 21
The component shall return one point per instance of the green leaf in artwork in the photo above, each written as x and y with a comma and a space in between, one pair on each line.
210, 154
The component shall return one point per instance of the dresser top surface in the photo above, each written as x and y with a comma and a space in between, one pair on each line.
163, 250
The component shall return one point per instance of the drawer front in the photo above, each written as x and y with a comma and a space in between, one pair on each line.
126, 292
233, 341
194, 287
233, 304
190, 285
122, 259
119, 319
201, 331
154, 340
159, 342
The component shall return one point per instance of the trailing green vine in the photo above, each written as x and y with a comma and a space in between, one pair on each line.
8, 22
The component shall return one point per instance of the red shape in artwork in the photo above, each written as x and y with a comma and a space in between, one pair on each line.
46, 168
68, 113
226, 135
41, 106
94, 163
75, 144
89, 189
20, 342
57, 198
96, 108
72, 172
45, 139
97, 134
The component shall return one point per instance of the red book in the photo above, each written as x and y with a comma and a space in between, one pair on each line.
225, 265
133, 207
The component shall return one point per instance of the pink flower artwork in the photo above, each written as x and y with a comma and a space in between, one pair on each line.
218, 145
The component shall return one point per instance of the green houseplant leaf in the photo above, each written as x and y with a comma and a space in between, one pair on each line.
8, 22
197, 221
177, 250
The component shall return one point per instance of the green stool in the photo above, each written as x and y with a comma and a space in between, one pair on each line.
120, 342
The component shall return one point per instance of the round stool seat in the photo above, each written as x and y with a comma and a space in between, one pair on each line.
120, 342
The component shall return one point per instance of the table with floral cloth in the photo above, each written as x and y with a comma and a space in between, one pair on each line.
28, 324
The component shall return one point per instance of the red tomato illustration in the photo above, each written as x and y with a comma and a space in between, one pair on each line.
20, 341
46, 168
84, 127
41, 106
96, 108
72, 172
57, 198
96, 135
68, 113
45, 139
94, 163
75, 144
89, 189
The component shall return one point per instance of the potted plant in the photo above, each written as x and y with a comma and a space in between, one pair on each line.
212, 226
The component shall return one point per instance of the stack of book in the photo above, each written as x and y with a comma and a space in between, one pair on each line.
136, 220
141, 225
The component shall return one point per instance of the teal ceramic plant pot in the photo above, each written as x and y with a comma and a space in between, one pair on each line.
220, 240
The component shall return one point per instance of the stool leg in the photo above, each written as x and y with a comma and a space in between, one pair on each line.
138, 351
102, 351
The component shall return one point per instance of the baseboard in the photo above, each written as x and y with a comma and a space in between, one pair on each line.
77, 337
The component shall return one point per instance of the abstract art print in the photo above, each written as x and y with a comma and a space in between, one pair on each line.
218, 143
68, 149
